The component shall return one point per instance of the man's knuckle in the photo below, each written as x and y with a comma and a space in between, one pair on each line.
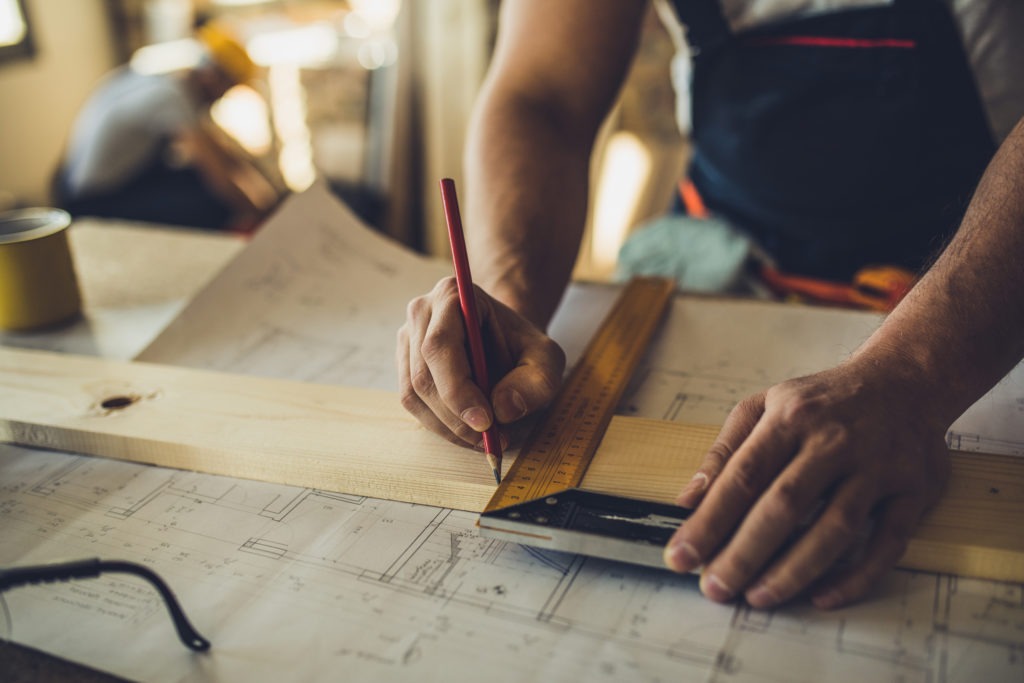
409, 398
787, 502
417, 308
447, 287
798, 409
422, 383
552, 350
844, 522
751, 405
718, 455
748, 477
433, 347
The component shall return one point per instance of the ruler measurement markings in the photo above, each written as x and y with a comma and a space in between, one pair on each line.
556, 455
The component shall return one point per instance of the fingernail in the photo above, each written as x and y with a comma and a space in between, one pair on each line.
509, 406
714, 588
697, 484
762, 596
476, 417
828, 599
680, 556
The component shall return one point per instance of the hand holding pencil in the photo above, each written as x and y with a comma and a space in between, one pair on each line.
467, 300
437, 367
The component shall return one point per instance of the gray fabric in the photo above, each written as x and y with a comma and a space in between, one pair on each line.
123, 126
701, 255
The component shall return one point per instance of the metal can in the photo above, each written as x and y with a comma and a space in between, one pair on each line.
37, 277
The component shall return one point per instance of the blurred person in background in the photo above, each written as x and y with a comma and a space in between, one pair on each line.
144, 147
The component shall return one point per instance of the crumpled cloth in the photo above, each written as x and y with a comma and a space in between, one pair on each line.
702, 255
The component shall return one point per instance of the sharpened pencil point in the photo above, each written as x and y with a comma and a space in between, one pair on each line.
495, 463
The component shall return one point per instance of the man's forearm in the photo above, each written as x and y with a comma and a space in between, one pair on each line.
962, 327
528, 180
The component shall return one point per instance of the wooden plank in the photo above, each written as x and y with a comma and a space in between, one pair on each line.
648, 459
362, 442
336, 438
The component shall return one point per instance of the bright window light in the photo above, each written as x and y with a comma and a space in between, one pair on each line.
243, 114
305, 46
12, 23
288, 103
378, 15
240, 3
624, 173
161, 58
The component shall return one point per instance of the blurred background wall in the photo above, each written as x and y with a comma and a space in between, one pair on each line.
72, 46
371, 96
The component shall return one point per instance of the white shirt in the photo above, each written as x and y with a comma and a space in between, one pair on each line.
123, 126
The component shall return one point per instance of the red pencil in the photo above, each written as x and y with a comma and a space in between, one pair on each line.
492, 443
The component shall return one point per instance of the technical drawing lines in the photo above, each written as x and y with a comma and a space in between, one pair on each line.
681, 396
977, 443
415, 547
560, 562
261, 349
84, 483
550, 609
276, 279
335, 251
922, 628
311, 359
258, 546
282, 505
986, 620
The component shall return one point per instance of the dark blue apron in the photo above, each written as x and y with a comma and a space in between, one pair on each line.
837, 140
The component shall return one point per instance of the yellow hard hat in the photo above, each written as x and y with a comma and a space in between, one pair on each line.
227, 53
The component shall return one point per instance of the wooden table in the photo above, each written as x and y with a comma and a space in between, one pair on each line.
134, 279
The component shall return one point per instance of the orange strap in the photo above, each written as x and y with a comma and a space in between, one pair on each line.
878, 288
691, 199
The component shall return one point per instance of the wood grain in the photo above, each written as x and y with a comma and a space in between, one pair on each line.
353, 440
362, 442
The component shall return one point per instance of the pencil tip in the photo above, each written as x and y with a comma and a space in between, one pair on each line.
495, 463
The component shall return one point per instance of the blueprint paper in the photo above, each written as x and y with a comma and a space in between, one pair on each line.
302, 584
711, 355
299, 584
317, 297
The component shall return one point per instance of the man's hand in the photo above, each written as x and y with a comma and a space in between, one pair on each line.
846, 452
865, 440
435, 376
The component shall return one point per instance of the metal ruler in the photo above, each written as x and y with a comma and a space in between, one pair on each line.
538, 502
